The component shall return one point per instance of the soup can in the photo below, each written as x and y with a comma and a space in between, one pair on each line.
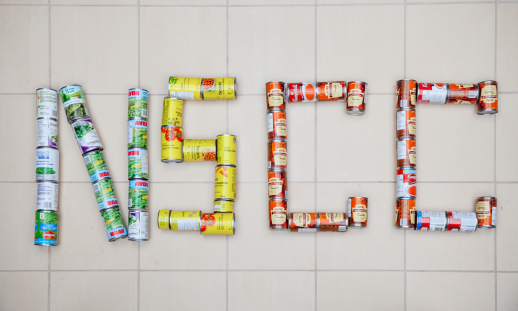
138, 103
223, 206
218, 224
96, 166
172, 112
406, 182
405, 123
486, 212
277, 184
46, 228
163, 219
86, 135
185, 88
461, 221
275, 95
406, 152
138, 194
225, 182
105, 194
276, 120
137, 133
46, 103
179, 221
278, 214
219, 88
277, 153
301, 92
199, 150
138, 225
335, 90
332, 222
303, 222
431, 221
47, 133
405, 213
47, 164
74, 102
356, 91
172, 142
488, 99
432, 93
406, 93
226, 149
462, 94
47, 198
138, 163
357, 212
115, 229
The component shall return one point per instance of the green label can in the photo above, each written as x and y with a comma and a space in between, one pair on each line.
137, 103
137, 163
115, 229
137, 133
96, 166
46, 228
105, 194
138, 193
74, 102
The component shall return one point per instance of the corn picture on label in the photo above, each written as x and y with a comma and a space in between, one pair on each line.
172, 111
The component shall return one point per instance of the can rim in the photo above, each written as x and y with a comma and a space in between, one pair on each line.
278, 140
226, 135
136, 88
135, 118
406, 138
406, 198
43, 147
70, 85
278, 199
109, 208
81, 118
140, 210
276, 110
277, 169
46, 211
358, 82
406, 168
275, 81
482, 197
488, 81
406, 80
46, 88
230, 200
406, 108
358, 198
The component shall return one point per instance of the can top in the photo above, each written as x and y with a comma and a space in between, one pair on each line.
230, 135
46, 211
276, 110
486, 197
70, 85
275, 170
357, 197
230, 200
278, 140
406, 198
274, 81
405, 108
406, 138
136, 88
492, 81
406, 168
278, 199
359, 82
131, 119
45, 88
407, 80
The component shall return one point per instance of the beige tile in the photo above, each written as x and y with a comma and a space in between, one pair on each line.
437, 53
356, 290
271, 290
183, 2
450, 291
272, 2
353, 148
168, 250
506, 239
95, 2
271, 43
96, 47
438, 1
450, 250
506, 137
506, 45
184, 47
255, 246
182, 290
378, 246
357, 1
25, 48
23, 290
507, 284
24, 1
301, 140
81, 291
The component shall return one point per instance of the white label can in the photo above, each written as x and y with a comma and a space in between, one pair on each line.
138, 225
47, 164
47, 196
47, 132
46, 103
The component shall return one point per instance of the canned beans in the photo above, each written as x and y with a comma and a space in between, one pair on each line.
357, 212
275, 95
486, 212
405, 213
406, 182
335, 90
431, 221
95, 165
302, 92
277, 184
218, 224
138, 194
138, 103
225, 182
172, 112
332, 222
172, 142
74, 102
46, 228
47, 164
488, 101
105, 194
226, 150
464, 222
278, 214
462, 94
199, 150
406, 152
432, 93
405, 123
356, 91
406, 93
276, 120
277, 153
303, 222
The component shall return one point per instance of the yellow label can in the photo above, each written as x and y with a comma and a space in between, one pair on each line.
163, 219
185, 220
172, 139
172, 111
218, 223
225, 182
185, 88
223, 206
226, 149
199, 150
219, 88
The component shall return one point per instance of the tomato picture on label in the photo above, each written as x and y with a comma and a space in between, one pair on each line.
172, 134
207, 220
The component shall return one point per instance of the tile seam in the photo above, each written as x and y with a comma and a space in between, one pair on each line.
228, 121
404, 232
315, 160
494, 138
259, 270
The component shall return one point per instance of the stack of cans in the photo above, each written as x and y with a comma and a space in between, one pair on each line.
91, 149
47, 168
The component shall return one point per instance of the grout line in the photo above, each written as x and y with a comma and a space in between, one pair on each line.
226, 238
138, 275
494, 156
50, 83
48, 279
315, 154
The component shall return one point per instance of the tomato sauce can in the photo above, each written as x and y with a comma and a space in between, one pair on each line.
226, 149
277, 184
47, 164
301, 92
405, 123
405, 213
185, 88
462, 94
432, 93
74, 102
357, 212
172, 112
406, 152
115, 229
488, 99
406, 182
47, 133
138, 163
335, 90
172, 144
225, 182
332, 222
278, 214
486, 212
356, 91
138, 225
46, 103
276, 120
47, 198
406, 93
223, 205
431, 221
462, 221
219, 88
277, 153
275, 95
199, 150
138, 103
96, 166
105, 194
137, 133
86, 135
218, 224
138, 194
303, 222
46, 228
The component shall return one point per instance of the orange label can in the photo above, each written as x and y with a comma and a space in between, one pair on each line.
406, 93
277, 184
405, 123
303, 222
488, 101
331, 91
356, 91
406, 152
357, 211
332, 222
276, 120
462, 94
486, 212
275, 95
218, 224
278, 214
277, 153
302, 92
405, 213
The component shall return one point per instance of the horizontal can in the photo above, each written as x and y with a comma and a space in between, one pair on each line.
406, 182
303, 222
224, 206
185, 88
172, 111
488, 98
301, 92
461, 221
137, 133
356, 92
405, 213
277, 184
218, 224
86, 135
276, 121
278, 214
95, 165
138, 163
486, 212
225, 182
115, 229
432, 93
219, 88
46, 103
138, 194
138, 103
277, 153
406, 96
406, 152
275, 95
74, 102
138, 225
47, 133
47, 164
357, 211
431, 221
335, 90
405, 123
199, 150
48, 194
105, 194
226, 149
46, 228
332, 222
462, 94
172, 144
181, 221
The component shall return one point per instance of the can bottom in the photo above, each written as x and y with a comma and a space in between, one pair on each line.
172, 161
355, 112
486, 112
405, 227
45, 244
278, 228
357, 226
118, 238
138, 240
486, 226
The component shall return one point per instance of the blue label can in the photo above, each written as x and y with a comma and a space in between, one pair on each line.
46, 228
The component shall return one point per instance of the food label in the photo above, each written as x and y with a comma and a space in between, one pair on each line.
46, 228
219, 88
217, 223
185, 220
431, 221
47, 133
225, 182
137, 163
46, 104
226, 150
301, 219
113, 223
488, 90
185, 88
483, 206
275, 186
359, 213
223, 206
279, 156
172, 112
138, 226
105, 194
137, 104
86, 135
172, 141
199, 150
137, 134
411, 126
269, 121
275, 98
47, 164
355, 98
464, 222
405, 183
401, 120
96, 166
74, 102
138, 193
47, 196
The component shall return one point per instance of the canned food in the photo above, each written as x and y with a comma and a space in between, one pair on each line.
137, 163
406, 182
225, 182
431, 221
486, 212
226, 149
224, 205
332, 222
86, 135
185, 88
137, 103
302, 92
219, 88
138, 225
278, 214
277, 153
47, 164
303, 222
137, 133
95, 165
356, 91
275, 95
199, 150
46, 228
115, 229
172, 111
464, 222
74, 102
172, 141
276, 120
406, 123
47, 196
432, 93
138, 194
47, 132
163, 219
179, 221
335, 90
405, 213
105, 194
46, 103
406, 152
277, 184
357, 212
406, 93
488, 99
462, 94
218, 224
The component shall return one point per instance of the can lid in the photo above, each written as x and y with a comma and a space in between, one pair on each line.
492, 81
46, 88
484, 197
406, 108
275, 81
278, 140
69, 86
406, 80
358, 198
276, 110
136, 88
406, 198
46, 211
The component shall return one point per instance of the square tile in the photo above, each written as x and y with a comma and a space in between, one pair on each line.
183, 2
96, 47
365, 42
24, 290
300, 120
357, 1
40, 2
95, 2
272, 2
506, 138
506, 44
507, 285
506, 238
271, 43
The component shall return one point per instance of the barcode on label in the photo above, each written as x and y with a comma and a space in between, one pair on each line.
269, 164
47, 204
402, 222
87, 160
96, 187
144, 113
472, 94
54, 113
130, 203
341, 228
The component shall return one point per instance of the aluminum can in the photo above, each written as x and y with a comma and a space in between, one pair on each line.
86, 135
335, 90
138, 163
226, 149
464, 222
486, 212
405, 213
356, 91
115, 229
138, 103
138, 194
406, 182
406, 152
46, 103
47, 164
278, 214
137, 133
96, 166
163, 219
219, 88
301, 92
357, 212
179, 221
225, 182
276, 120
405, 123
138, 225
185, 88
431, 221
172, 113
432, 93
105, 194
47, 198
46, 228
223, 206
462, 94
275, 95
332, 222
47, 132
488, 99
277, 184
218, 224
303, 222
406, 93
172, 142
199, 150
277, 153
74, 102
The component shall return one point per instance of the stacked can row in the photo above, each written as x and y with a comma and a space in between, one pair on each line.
187, 88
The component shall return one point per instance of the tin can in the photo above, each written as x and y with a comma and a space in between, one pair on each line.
462, 94
488, 99
431, 221
137, 163
405, 213
185, 88
303, 222
137, 133
219, 88
86, 135
46, 103
138, 225
47, 132
335, 90
356, 91
277, 184
105, 194
357, 211
218, 224
276, 120
199, 150
172, 142
180, 221
432, 93
332, 222
406, 93
277, 153
278, 214
172, 112
138, 194
406, 152
225, 182
464, 222
302, 92
115, 229
46, 228
74, 102
226, 149
95, 165
47, 164
405, 123
47, 198
406, 182
137, 103
275, 95
163, 219
223, 206
486, 212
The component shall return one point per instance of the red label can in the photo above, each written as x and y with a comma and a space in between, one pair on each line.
406, 93
303, 222
486, 212
302, 92
405, 213
406, 182
331, 90
357, 211
462, 94
406, 152
278, 214
277, 153
277, 184
465, 222
488, 101
405, 123
276, 120
275, 95
432, 93
356, 91
431, 221
332, 222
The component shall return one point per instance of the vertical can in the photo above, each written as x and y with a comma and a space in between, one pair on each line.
226, 149
463, 222
95, 165
431, 221
405, 123
179, 221
303, 222
218, 224
488, 98
486, 212
278, 214
137, 133
46, 103
138, 163
432, 93
356, 91
332, 222
275, 95
46, 228
462, 94
138, 103
405, 213
47, 133
185, 88
277, 153
47, 198
219, 88
105, 194
199, 150
138, 225
406, 182
277, 184
172, 144
225, 182
138, 194
357, 212
223, 205
74, 102
172, 112
47, 164
406, 152
301, 92
335, 90
276, 121
406, 93
86, 135
115, 229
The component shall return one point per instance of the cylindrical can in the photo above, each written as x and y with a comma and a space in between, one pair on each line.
185, 88
276, 120
406, 93
47, 132
356, 91
486, 212
405, 213
278, 214
219, 88
138, 194
46, 228
406, 152
303, 222
74, 102
137, 103
86, 135
46, 103
275, 95
179, 221
115, 229
277, 184
462, 94
95, 165
301, 92
461, 221
105, 194
432, 93
172, 113
488, 99
405, 123
218, 224
138, 225
335, 90
199, 150
137, 133
332, 222
357, 211
223, 206
47, 164
163, 219
277, 153
406, 182
172, 142
137, 163
47, 196
431, 221
226, 149
225, 182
